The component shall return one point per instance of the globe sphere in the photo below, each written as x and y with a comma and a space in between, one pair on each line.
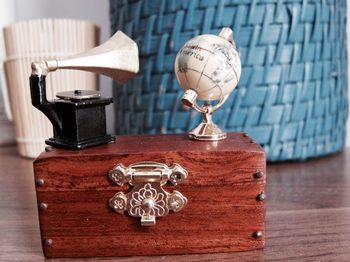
209, 65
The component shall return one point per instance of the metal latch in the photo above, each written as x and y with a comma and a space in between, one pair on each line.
147, 199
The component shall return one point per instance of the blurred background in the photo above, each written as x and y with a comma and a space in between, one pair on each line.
98, 12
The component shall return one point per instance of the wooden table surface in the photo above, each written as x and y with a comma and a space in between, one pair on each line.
308, 213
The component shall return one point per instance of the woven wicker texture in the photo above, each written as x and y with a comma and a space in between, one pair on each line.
292, 96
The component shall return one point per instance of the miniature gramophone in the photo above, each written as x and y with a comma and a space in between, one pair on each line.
78, 116
118, 199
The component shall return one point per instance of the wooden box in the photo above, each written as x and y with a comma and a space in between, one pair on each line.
224, 188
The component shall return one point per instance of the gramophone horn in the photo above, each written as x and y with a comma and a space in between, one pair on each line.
117, 58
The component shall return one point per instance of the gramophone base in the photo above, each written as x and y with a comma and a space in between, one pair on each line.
207, 132
59, 143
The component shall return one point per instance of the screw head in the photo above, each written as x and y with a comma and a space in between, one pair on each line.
258, 174
39, 182
261, 196
245, 135
148, 204
43, 206
257, 234
48, 242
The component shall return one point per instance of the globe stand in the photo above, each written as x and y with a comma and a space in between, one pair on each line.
207, 130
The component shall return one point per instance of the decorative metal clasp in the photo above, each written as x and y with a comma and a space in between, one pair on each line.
147, 199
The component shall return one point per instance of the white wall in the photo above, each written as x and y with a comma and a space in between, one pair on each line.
7, 133
96, 11
348, 36
7, 16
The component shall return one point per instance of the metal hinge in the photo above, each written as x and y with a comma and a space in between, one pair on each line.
147, 199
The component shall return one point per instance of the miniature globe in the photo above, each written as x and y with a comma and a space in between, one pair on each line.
209, 65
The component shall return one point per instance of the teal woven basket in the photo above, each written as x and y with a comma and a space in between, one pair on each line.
292, 96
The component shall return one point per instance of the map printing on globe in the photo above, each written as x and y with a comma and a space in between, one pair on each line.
209, 65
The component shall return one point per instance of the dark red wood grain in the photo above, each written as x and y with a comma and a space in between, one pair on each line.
221, 216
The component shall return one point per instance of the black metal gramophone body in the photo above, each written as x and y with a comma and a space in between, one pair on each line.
79, 117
